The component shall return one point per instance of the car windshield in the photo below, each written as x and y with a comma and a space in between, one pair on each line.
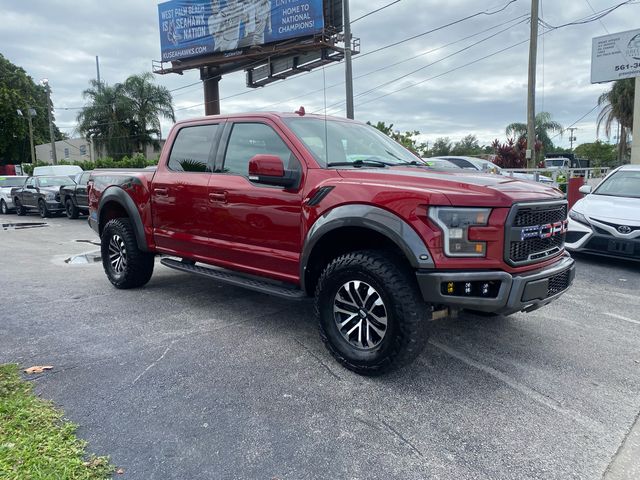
333, 142
54, 181
440, 164
12, 181
559, 162
623, 183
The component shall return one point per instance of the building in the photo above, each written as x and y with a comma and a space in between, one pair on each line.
79, 150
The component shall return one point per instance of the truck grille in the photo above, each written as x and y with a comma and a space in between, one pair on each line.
558, 283
527, 232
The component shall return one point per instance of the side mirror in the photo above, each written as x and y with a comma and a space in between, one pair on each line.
269, 169
586, 189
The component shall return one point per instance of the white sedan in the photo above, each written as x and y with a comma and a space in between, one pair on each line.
6, 184
607, 220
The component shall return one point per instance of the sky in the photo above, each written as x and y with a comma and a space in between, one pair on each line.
439, 83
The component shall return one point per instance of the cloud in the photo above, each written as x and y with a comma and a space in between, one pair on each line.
451, 96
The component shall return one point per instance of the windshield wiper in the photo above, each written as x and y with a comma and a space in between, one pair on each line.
413, 163
370, 162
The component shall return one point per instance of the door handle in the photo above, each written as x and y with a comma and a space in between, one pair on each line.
161, 192
218, 197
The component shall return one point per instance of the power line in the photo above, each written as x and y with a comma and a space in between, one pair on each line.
577, 121
594, 11
588, 19
374, 11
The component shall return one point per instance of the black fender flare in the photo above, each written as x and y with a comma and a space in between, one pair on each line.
374, 218
119, 196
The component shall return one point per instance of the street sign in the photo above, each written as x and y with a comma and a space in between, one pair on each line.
615, 56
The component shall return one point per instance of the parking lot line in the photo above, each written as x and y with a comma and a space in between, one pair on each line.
620, 317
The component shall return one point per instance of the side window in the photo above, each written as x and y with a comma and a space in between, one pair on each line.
191, 151
84, 178
31, 182
250, 139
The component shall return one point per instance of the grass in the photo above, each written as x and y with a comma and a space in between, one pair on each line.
36, 442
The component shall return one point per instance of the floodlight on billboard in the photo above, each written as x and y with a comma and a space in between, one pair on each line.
615, 56
191, 28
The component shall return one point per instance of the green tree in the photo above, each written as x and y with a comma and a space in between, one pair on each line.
544, 125
601, 154
18, 91
407, 139
124, 118
467, 146
617, 106
441, 146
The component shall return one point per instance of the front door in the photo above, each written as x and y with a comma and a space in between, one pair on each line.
82, 199
257, 227
182, 221
29, 193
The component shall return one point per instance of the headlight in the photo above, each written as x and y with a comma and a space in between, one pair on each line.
455, 224
50, 196
578, 217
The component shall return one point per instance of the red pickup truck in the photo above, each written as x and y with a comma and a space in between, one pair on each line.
301, 206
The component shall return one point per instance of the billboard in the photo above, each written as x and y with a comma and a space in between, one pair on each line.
616, 56
190, 28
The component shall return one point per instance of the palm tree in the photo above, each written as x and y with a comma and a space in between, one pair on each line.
124, 118
617, 105
149, 103
543, 126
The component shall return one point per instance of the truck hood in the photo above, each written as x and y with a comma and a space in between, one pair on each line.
464, 188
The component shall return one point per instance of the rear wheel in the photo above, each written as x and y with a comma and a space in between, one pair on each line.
70, 209
3, 207
372, 317
124, 263
20, 210
43, 209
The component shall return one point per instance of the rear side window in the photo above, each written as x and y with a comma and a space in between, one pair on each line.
192, 149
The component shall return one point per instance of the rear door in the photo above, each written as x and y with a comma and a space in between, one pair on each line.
181, 212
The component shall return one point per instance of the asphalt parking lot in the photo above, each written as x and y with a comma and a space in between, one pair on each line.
186, 378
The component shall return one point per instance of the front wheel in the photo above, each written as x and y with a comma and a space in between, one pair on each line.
124, 263
70, 209
371, 315
43, 209
20, 210
3, 207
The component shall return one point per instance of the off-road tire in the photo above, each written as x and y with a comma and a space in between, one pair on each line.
20, 210
43, 210
137, 268
70, 209
3, 207
407, 314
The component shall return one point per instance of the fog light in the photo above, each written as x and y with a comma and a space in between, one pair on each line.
479, 289
450, 288
467, 288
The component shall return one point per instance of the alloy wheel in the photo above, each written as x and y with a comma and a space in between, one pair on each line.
360, 314
117, 254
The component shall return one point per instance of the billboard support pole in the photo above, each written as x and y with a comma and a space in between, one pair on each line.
347, 58
635, 146
531, 97
211, 83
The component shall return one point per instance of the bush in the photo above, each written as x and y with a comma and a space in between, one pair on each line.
137, 161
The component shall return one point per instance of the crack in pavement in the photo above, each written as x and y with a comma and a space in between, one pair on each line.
320, 361
625, 462
155, 362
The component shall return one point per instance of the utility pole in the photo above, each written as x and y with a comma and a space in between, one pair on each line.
531, 97
571, 137
347, 57
47, 88
98, 72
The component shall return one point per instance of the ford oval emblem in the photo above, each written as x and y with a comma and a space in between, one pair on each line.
624, 229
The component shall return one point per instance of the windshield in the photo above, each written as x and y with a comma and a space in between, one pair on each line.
623, 183
12, 181
440, 164
335, 142
54, 181
559, 162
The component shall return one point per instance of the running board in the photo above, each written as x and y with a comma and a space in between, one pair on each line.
238, 280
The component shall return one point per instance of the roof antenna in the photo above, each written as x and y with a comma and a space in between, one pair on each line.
300, 111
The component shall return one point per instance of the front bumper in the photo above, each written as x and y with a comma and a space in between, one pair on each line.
601, 239
525, 292
54, 206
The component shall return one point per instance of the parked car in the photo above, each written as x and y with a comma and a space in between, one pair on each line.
607, 220
56, 170
41, 194
74, 197
297, 206
6, 184
486, 166
441, 164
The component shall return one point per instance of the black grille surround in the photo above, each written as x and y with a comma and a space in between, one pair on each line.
523, 219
